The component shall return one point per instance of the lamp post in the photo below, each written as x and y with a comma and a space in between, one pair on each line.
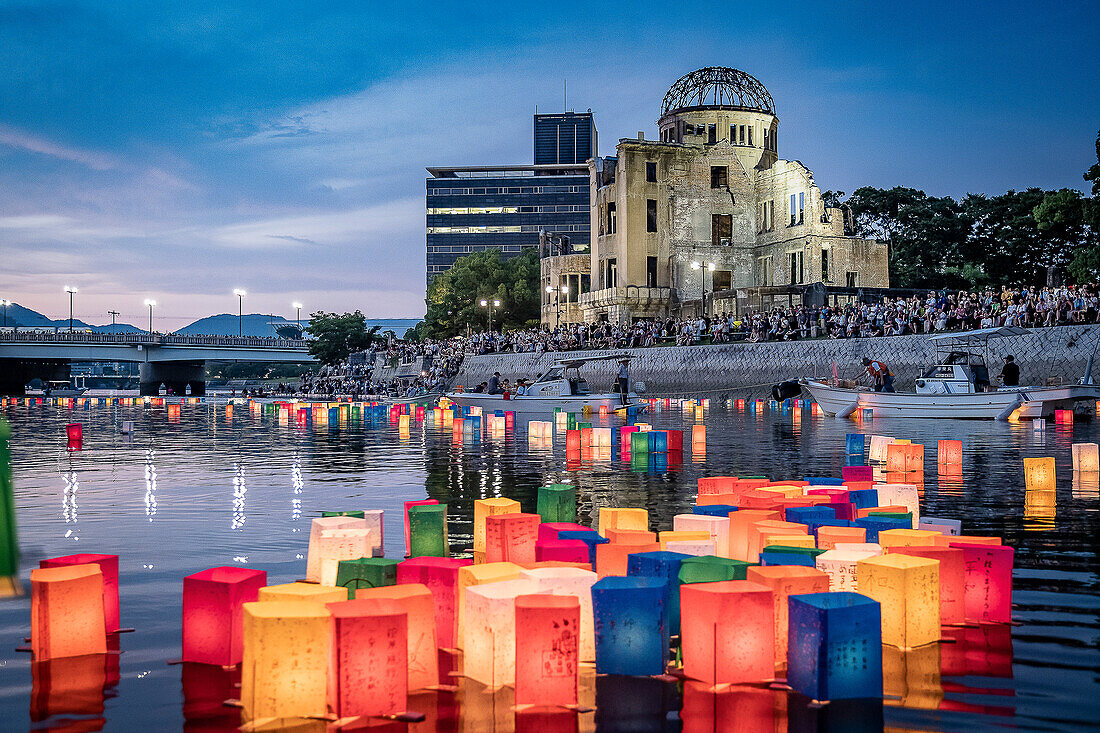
5, 303
298, 311
696, 265
70, 290
150, 303
552, 289
562, 291
240, 310
490, 304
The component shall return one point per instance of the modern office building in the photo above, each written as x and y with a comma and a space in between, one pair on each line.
509, 207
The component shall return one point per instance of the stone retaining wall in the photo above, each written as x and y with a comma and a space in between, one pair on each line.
1045, 354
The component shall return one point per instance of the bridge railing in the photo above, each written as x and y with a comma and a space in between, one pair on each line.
130, 339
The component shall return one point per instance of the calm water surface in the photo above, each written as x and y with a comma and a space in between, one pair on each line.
182, 496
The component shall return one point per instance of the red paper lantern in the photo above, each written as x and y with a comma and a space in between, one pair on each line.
368, 673
108, 565
547, 641
67, 612
511, 537
573, 551
440, 575
718, 650
213, 613
988, 568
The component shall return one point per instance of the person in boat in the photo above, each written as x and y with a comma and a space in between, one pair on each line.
521, 386
1010, 373
494, 384
624, 379
881, 376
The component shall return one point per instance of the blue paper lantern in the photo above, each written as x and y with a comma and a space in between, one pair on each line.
666, 566
589, 537
714, 510
855, 444
808, 514
823, 481
631, 631
874, 525
779, 555
863, 498
835, 649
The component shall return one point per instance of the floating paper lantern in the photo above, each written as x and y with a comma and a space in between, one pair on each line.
835, 651
888, 538
717, 527
416, 600
573, 551
785, 581
988, 585
587, 536
302, 592
489, 631
855, 444
314, 555
484, 508
336, 545
698, 435
440, 576
75, 434
631, 634
576, 582
740, 523
876, 453
366, 572
1039, 474
613, 558
904, 458
67, 612
368, 673
409, 505
212, 613
901, 495
691, 547
717, 651
952, 573
857, 473
1086, 457
761, 531
511, 537
108, 566
947, 527
284, 673
556, 503
1063, 417
547, 661
908, 587
840, 566
428, 530
622, 518
666, 566
709, 569
950, 452
474, 575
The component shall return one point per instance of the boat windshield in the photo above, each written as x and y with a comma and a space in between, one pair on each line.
551, 374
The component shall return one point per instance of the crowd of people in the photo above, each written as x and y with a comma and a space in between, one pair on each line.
932, 312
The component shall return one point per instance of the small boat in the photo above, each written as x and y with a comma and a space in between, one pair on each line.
59, 388
957, 386
561, 386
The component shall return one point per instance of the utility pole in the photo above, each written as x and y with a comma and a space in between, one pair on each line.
113, 314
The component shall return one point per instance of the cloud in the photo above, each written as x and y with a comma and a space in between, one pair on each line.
15, 138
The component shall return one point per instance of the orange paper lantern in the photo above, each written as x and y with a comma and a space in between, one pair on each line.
108, 566
950, 452
828, 537
785, 581
718, 651
415, 599
547, 644
67, 612
368, 673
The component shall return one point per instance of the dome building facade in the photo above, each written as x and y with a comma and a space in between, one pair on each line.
708, 217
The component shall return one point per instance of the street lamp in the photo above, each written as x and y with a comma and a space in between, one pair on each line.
490, 305
150, 303
70, 290
298, 309
5, 303
240, 310
696, 265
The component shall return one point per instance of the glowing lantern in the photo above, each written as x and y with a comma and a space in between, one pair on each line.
888, 538
556, 503
484, 508
698, 436
741, 522
286, 660
365, 572
952, 579
840, 566
546, 649
857, 473
835, 651
691, 547
950, 452
9, 541
212, 613
1063, 417
709, 569
622, 518
908, 587
440, 576
988, 585
474, 575
1039, 474
760, 531
630, 628
613, 558
67, 612
428, 530
718, 652
855, 443
562, 550
489, 631
75, 434
682, 535
900, 495
302, 592
108, 566
317, 527
574, 582
718, 527
409, 505
876, 453
1086, 457
946, 527
368, 673
174, 413
336, 545
666, 566
511, 537
785, 581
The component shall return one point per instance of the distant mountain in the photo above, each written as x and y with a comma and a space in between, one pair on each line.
227, 324
20, 316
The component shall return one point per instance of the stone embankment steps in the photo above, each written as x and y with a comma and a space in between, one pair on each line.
1058, 353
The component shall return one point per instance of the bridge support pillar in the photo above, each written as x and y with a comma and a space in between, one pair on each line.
15, 373
176, 376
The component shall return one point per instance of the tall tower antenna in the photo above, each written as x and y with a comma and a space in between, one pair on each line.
564, 96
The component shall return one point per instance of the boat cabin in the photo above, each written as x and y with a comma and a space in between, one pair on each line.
562, 379
960, 366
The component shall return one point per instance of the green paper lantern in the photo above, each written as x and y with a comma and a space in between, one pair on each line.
355, 513
9, 542
366, 572
557, 503
712, 569
428, 531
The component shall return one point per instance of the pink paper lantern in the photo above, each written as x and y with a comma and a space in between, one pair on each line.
988, 595
562, 551
368, 672
440, 575
213, 615
108, 565
547, 642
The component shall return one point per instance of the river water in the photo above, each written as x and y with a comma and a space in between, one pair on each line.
203, 491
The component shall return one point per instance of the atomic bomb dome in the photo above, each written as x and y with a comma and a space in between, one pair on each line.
717, 87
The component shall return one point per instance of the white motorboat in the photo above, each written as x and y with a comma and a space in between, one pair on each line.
561, 386
956, 387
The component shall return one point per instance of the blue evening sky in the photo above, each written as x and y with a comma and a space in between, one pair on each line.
179, 150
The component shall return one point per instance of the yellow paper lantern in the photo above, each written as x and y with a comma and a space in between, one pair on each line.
284, 673
302, 593
483, 509
1039, 474
682, 536
912, 538
908, 589
622, 518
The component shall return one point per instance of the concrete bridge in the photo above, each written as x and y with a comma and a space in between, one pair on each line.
177, 362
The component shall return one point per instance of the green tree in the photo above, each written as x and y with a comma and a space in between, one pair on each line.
1085, 265
454, 297
336, 335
